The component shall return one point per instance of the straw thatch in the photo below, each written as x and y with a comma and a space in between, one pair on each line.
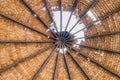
12, 52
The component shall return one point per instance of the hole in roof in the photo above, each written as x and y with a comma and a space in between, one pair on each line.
73, 21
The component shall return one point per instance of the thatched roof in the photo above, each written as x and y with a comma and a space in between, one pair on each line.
30, 50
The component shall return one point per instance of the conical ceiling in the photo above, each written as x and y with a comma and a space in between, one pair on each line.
59, 40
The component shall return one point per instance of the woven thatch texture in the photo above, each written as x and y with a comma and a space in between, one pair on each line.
10, 53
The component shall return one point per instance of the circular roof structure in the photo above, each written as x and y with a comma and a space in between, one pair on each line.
59, 39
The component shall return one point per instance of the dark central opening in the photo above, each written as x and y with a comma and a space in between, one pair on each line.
64, 38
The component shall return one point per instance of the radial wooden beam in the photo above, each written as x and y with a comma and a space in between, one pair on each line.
60, 5
50, 14
37, 16
44, 64
97, 63
34, 13
26, 26
66, 64
67, 67
71, 13
84, 13
25, 41
56, 65
76, 62
100, 35
107, 15
102, 49
61, 17
23, 59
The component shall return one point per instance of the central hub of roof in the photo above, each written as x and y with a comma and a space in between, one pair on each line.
64, 39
